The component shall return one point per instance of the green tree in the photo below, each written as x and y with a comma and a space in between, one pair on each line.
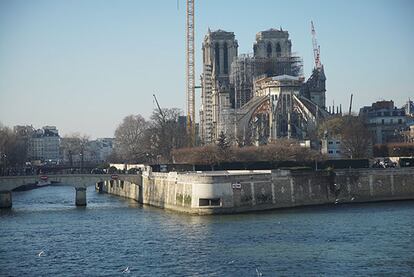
224, 148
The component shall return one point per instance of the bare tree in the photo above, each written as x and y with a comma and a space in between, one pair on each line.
167, 132
6, 143
356, 138
13, 148
351, 130
197, 155
131, 139
279, 150
74, 145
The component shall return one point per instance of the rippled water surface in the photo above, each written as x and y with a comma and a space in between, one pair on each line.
113, 233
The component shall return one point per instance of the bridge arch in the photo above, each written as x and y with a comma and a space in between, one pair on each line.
79, 181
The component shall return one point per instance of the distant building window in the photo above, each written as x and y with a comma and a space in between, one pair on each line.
378, 113
386, 113
226, 58
400, 121
278, 50
382, 121
269, 50
217, 57
338, 142
338, 151
330, 152
330, 142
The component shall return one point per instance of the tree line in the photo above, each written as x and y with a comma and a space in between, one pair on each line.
138, 140
163, 139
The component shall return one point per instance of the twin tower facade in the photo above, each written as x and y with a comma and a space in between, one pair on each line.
230, 81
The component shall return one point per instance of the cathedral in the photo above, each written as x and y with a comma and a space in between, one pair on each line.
260, 97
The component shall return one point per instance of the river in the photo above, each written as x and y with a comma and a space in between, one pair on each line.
112, 234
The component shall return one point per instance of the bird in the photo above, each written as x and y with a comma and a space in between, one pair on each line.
353, 198
41, 254
258, 272
231, 262
336, 201
126, 270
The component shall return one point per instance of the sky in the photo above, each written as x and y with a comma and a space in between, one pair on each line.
83, 65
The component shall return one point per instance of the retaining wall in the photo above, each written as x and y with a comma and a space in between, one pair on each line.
241, 191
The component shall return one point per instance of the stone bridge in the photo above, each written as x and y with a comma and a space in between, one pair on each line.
79, 181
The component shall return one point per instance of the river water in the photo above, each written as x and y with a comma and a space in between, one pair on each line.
113, 233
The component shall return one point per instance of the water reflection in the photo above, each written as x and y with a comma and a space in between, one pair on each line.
112, 233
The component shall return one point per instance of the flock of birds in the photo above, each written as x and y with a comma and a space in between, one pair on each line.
127, 270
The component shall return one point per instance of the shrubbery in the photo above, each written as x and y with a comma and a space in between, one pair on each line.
280, 150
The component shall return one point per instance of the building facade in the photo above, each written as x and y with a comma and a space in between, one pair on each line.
44, 145
332, 148
385, 121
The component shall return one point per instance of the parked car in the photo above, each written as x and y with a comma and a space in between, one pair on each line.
384, 163
98, 171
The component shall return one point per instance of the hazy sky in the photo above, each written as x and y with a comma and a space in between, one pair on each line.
83, 65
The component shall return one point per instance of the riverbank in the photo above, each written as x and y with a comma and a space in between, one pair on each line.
244, 191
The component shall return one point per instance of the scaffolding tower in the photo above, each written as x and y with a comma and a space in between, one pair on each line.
190, 72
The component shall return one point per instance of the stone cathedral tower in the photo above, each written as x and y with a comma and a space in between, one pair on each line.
219, 51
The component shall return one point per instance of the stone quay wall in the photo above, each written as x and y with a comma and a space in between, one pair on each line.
243, 191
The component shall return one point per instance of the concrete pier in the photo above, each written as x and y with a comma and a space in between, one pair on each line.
80, 197
5, 199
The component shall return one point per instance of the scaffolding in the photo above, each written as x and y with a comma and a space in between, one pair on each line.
190, 73
241, 79
285, 65
247, 68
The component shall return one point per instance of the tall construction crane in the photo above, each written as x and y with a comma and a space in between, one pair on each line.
316, 48
159, 108
190, 72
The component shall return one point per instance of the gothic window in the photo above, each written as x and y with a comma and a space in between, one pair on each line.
278, 50
269, 50
226, 59
217, 57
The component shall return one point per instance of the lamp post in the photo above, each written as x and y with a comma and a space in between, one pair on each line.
81, 165
3, 157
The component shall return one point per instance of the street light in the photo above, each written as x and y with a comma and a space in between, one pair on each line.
81, 165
